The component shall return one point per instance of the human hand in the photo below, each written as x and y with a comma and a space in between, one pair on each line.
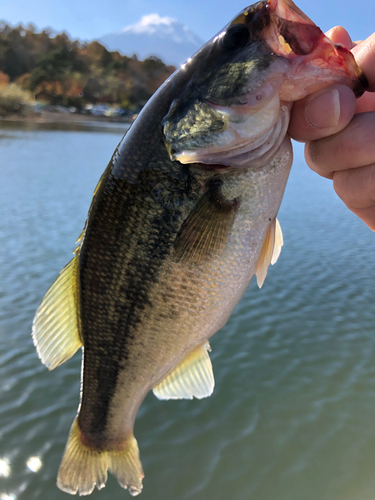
339, 132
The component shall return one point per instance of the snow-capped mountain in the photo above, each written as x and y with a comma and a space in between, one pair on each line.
164, 37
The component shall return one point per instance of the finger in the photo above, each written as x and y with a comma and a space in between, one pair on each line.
338, 34
364, 54
322, 113
356, 187
367, 215
353, 147
366, 102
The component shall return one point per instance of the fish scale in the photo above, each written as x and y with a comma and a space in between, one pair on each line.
163, 315
112, 303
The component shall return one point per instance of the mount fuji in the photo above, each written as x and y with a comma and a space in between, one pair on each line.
163, 37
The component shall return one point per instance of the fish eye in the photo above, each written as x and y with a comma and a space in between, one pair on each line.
236, 37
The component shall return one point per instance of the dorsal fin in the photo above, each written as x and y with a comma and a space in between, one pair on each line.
270, 251
56, 322
79, 241
192, 378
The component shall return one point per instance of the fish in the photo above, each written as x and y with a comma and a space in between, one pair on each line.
183, 217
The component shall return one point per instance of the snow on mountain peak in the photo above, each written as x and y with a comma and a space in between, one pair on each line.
154, 34
149, 23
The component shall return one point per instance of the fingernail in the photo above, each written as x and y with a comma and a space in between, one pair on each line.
324, 110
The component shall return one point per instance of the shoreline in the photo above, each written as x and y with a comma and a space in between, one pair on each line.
54, 120
52, 117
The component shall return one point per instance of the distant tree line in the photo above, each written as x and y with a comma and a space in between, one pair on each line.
58, 70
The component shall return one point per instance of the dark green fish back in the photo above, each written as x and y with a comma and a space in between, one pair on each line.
131, 232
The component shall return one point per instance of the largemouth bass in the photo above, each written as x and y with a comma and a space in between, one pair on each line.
182, 218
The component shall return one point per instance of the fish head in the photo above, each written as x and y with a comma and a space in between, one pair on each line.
235, 106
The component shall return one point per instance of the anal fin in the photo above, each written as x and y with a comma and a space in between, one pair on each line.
192, 378
270, 251
56, 322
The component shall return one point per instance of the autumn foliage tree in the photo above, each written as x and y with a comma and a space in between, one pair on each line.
59, 70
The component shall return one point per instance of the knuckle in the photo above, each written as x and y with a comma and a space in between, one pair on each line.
313, 155
340, 185
356, 186
314, 150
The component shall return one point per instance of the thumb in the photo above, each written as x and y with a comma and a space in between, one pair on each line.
328, 111
323, 113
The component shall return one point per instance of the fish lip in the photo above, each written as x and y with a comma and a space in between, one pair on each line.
361, 85
288, 10
283, 14
251, 158
246, 156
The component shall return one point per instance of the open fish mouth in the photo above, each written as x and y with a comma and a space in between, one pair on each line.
277, 56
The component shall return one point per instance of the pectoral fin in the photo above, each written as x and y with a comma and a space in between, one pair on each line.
270, 251
206, 230
192, 378
56, 323
279, 242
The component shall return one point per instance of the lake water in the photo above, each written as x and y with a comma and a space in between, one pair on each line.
292, 416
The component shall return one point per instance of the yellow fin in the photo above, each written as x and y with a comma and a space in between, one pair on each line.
82, 468
79, 241
56, 322
80, 237
126, 466
279, 242
270, 251
193, 377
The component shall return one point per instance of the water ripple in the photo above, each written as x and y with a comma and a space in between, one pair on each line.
292, 413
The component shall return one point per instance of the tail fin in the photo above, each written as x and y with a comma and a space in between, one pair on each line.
82, 468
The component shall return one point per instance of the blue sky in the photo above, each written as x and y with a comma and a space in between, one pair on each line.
90, 19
